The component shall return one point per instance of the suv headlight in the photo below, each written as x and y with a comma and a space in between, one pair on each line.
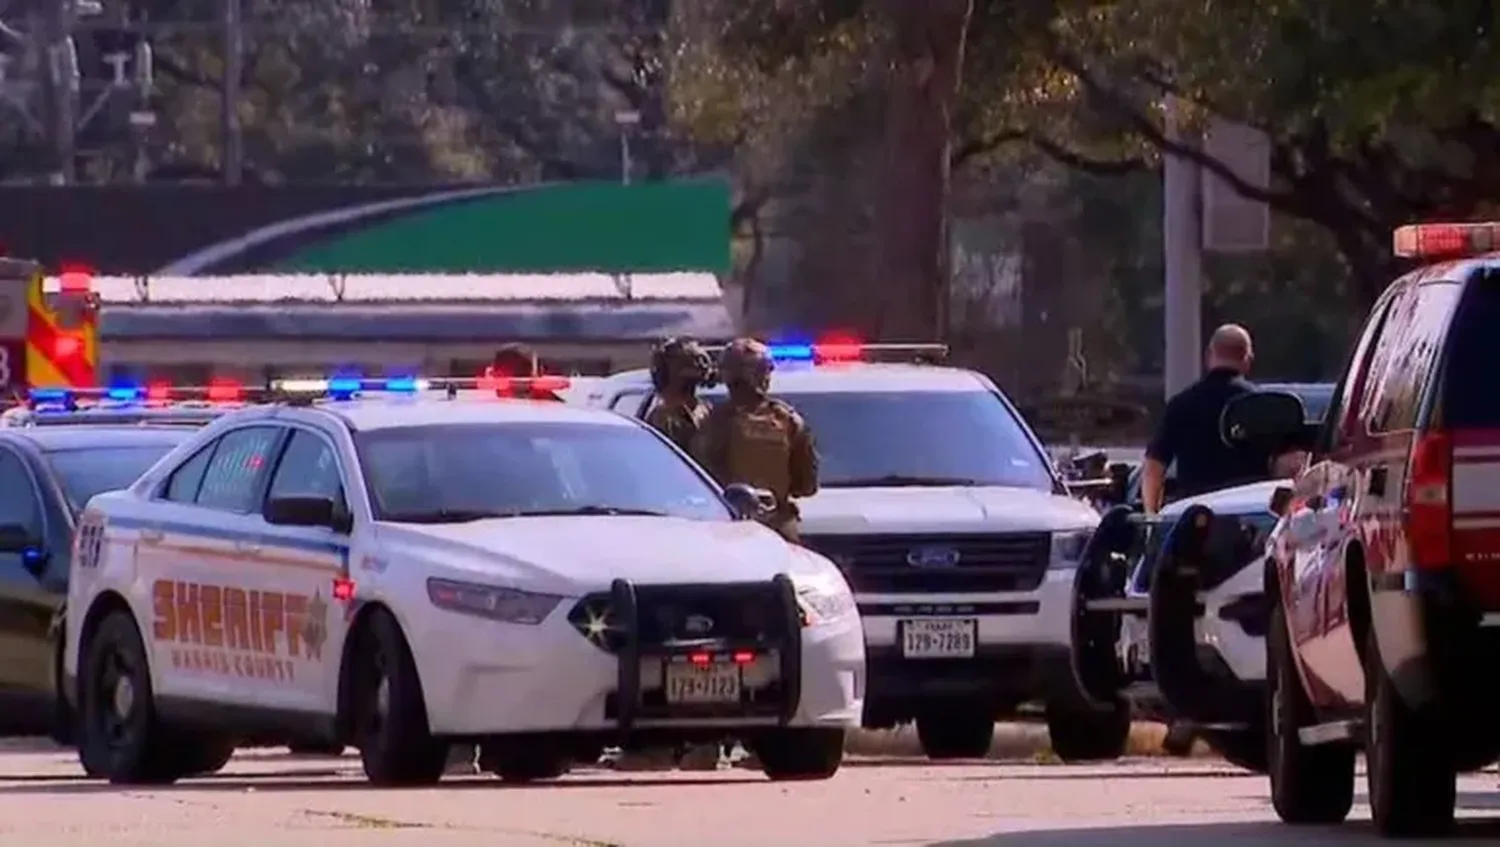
824, 603
1068, 547
508, 605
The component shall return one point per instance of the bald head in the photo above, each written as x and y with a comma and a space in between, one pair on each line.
1230, 347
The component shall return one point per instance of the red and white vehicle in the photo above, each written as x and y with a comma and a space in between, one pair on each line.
1385, 573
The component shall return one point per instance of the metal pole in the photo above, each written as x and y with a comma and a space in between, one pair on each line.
1183, 259
62, 74
624, 156
234, 54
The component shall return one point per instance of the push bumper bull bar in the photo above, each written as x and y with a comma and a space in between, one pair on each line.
630, 709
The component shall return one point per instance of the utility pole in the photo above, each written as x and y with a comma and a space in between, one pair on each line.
61, 76
1182, 247
234, 55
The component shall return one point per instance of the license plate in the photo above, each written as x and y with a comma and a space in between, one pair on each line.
938, 638
700, 684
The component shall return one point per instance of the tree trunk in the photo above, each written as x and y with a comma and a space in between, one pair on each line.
909, 288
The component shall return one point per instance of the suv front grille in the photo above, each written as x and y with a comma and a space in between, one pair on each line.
931, 563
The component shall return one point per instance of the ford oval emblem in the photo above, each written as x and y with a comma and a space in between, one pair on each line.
698, 624
932, 557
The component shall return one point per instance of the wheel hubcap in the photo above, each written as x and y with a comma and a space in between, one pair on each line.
124, 698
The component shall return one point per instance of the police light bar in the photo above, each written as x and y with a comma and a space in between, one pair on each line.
351, 387
847, 350
1446, 241
125, 395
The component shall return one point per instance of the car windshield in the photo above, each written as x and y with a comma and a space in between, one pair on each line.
85, 472
918, 438
451, 473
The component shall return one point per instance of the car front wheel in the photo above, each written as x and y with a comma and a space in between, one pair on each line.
800, 753
1309, 784
390, 715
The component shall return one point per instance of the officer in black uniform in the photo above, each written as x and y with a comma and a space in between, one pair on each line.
1189, 429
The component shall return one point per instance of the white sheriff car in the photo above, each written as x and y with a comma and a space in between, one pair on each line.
404, 572
958, 536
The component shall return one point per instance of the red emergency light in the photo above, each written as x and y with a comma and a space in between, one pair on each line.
1446, 240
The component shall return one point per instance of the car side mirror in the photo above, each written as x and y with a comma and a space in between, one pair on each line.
20, 540
748, 502
307, 511
1281, 499
1272, 421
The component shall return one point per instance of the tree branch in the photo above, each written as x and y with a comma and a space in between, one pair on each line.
1048, 147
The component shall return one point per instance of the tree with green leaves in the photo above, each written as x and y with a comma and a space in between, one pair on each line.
1378, 113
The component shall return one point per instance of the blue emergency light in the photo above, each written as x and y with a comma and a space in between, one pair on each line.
350, 387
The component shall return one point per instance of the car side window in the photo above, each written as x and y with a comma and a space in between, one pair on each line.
182, 486
1396, 399
629, 403
18, 496
1343, 411
232, 478
308, 468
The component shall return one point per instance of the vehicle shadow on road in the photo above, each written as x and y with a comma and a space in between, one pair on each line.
1064, 772
1353, 834
302, 781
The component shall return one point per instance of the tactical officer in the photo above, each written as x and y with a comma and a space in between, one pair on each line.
679, 367
517, 361
1189, 428
753, 439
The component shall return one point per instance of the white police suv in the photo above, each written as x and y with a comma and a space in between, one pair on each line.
404, 564
958, 536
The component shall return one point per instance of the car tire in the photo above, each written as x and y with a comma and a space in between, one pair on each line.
396, 746
799, 754
315, 748
960, 733
524, 762
1411, 776
1079, 735
1309, 784
120, 737
1243, 748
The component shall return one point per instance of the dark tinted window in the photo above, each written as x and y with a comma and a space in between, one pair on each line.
460, 471
184, 483
18, 497
1469, 398
1396, 400
307, 468
230, 481
919, 437
95, 470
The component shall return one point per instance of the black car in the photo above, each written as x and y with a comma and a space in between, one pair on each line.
50, 466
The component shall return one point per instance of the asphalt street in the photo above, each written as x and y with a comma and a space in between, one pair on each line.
271, 799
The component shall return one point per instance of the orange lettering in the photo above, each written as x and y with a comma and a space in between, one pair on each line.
210, 598
296, 618
272, 618
257, 627
236, 624
189, 624
165, 626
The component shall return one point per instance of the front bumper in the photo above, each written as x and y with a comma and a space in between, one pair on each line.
483, 678
1020, 651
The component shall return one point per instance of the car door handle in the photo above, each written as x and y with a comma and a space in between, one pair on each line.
1376, 485
151, 535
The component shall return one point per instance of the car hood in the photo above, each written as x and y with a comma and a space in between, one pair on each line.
852, 511
1240, 500
573, 555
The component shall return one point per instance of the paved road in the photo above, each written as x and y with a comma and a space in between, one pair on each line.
272, 800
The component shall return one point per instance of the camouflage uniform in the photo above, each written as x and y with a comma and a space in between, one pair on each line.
756, 440
678, 368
